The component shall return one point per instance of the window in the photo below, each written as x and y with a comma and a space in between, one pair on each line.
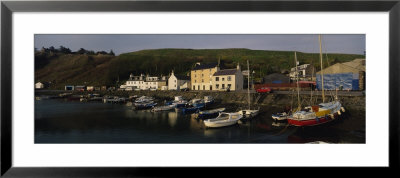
204, 87
223, 79
194, 75
202, 75
223, 86
175, 81
195, 81
202, 80
198, 87
194, 88
229, 78
229, 86
217, 86
216, 78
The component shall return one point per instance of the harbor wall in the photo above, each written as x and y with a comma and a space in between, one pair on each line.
238, 98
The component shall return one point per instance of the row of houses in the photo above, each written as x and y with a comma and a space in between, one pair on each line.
210, 77
87, 88
202, 77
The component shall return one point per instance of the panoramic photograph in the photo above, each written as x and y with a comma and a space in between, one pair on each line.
200, 88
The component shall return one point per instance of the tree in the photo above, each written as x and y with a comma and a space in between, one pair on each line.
64, 50
112, 53
101, 52
52, 49
91, 52
81, 51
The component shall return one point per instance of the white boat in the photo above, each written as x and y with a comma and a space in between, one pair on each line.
144, 99
210, 113
208, 99
223, 119
248, 113
318, 142
280, 116
163, 108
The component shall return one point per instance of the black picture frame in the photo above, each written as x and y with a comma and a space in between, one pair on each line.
8, 7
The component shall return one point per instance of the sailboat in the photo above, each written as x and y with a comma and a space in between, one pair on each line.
317, 114
248, 113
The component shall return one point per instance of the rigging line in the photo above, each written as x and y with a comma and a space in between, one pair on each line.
326, 51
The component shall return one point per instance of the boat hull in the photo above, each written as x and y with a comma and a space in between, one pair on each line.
219, 124
312, 122
279, 117
248, 113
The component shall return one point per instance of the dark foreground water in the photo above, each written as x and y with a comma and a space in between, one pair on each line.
60, 121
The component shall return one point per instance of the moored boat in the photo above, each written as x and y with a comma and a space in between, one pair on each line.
208, 100
317, 114
163, 108
210, 113
141, 106
280, 116
223, 119
248, 113
323, 113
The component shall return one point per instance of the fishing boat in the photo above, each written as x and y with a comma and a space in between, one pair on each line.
163, 108
141, 106
223, 119
178, 102
280, 116
210, 113
317, 114
208, 100
248, 113
189, 108
197, 102
115, 99
144, 99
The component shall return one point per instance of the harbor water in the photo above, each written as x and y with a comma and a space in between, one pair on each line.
63, 121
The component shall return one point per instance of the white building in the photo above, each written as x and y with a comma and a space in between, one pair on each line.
228, 79
39, 85
304, 71
143, 82
178, 82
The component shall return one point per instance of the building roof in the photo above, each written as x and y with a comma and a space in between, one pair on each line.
356, 63
354, 66
182, 77
205, 66
226, 72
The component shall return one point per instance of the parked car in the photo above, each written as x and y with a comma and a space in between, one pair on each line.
264, 90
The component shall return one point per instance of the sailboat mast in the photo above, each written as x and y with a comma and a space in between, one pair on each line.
297, 83
322, 72
248, 83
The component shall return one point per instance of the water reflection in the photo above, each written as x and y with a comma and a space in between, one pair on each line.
58, 121
172, 118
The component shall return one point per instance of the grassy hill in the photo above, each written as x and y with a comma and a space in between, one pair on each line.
106, 69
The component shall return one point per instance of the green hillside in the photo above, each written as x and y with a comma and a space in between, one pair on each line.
106, 69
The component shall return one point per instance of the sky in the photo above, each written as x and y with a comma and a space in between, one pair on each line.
123, 43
